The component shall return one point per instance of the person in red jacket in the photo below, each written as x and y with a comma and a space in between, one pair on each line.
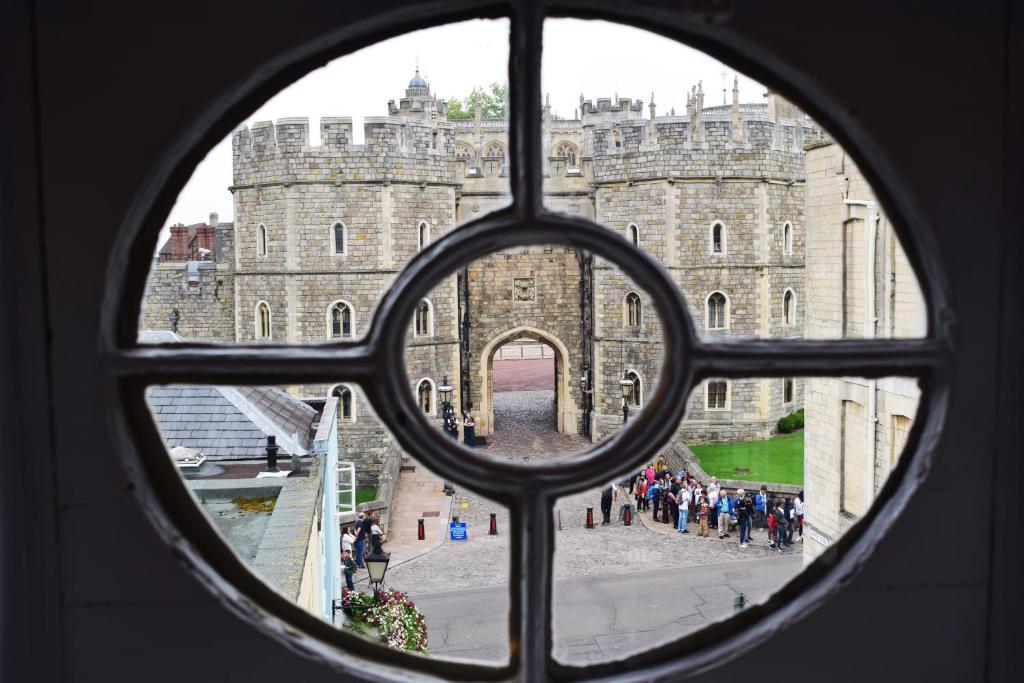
772, 523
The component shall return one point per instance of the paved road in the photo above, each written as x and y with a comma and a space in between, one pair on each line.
523, 375
607, 616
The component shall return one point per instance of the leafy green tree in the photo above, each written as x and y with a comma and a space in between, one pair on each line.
492, 100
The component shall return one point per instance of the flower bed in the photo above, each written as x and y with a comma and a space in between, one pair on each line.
393, 619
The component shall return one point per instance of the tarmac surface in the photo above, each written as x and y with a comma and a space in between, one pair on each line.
604, 577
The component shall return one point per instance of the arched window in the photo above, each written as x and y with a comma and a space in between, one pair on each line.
463, 151
718, 311
424, 323
787, 239
717, 238
789, 307
261, 240
341, 320
422, 235
425, 396
346, 402
634, 310
569, 152
716, 394
339, 238
635, 395
495, 149
633, 234
263, 320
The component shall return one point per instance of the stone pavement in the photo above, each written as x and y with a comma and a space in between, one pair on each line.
524, 424
419, 496
604, 576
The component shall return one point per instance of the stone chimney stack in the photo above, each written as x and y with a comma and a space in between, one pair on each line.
214, 218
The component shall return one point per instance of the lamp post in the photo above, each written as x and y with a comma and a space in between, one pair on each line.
377, 566
626, 385
446, 411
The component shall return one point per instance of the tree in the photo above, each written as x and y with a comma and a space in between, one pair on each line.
492, 103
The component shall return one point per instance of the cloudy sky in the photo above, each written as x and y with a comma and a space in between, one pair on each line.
593, 58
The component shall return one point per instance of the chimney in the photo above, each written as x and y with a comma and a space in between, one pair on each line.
272, 453
214, 219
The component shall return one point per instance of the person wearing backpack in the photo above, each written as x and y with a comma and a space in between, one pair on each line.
723, 514
781, 537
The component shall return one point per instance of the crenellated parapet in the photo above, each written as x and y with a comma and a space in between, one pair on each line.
410, 150
734, 141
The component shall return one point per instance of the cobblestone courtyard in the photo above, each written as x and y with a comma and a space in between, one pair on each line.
601, 574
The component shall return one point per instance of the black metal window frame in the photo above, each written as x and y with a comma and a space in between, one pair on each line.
376, 362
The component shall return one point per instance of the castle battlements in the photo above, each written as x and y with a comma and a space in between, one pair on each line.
397, 148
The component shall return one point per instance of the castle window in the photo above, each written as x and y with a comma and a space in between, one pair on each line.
339, 238
633, 233
495, 149
716, 395
635, 396
463, 151
789, 307
262, 320
341, 320
787, 239
717, 311
633, 310
424, 324
261, 240
422, 235
717, 238
346, 402
425, 396
569, 152
787, 390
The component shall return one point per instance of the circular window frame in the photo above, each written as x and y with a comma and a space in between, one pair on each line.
131, 367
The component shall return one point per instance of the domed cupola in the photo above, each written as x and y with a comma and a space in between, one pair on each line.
417, 81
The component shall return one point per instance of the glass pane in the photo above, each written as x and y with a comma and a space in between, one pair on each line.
767, 225
810, 466
532, 364
284, 218
275, 469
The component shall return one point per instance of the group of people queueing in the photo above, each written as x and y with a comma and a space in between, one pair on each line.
680, 499
353, 544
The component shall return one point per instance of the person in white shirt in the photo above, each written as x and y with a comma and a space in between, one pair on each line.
798, 507
713, 504
347, 539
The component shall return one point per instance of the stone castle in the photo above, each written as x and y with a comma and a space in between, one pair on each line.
716, 195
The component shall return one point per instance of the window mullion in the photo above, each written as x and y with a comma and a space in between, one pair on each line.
532, 556
245, 364
525, 110
867, 357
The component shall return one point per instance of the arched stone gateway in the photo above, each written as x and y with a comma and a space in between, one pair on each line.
565, 406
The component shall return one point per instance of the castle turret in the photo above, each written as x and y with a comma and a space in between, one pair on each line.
737, 122
418, 103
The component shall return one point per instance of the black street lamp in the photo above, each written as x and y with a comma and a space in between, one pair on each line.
626, 384
446, 396
377, 566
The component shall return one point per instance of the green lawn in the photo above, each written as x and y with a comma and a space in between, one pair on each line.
365, 495
778, 460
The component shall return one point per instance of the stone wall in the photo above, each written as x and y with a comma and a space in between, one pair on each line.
205, 300
855, 428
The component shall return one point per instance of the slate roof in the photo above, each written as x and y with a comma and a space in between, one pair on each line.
231, 423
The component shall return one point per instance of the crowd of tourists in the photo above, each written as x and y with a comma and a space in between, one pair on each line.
679, 499
354, 540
